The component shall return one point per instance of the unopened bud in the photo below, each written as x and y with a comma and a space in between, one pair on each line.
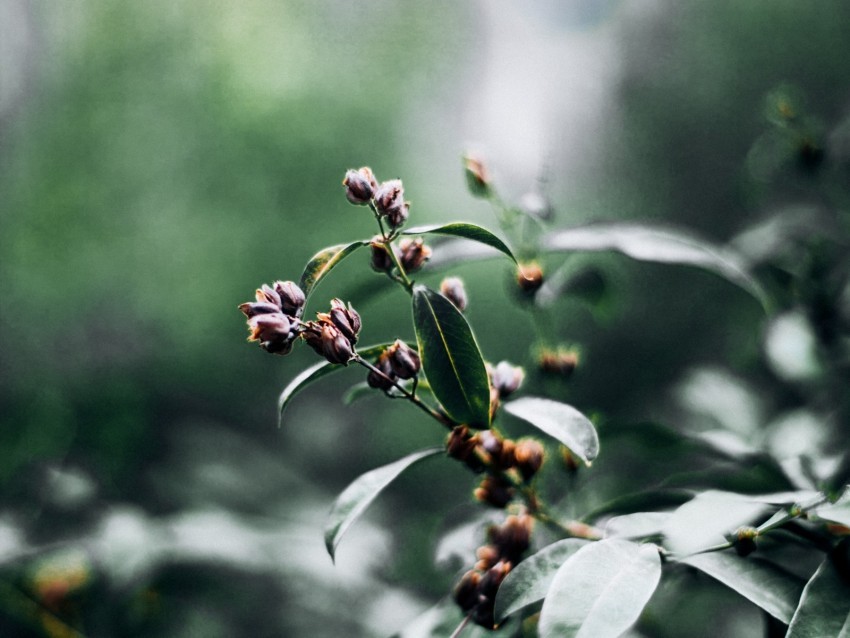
254, 308
266, 294
326, 339
382, 261
488, 555
513, 537
291, 297
490, 442
398, 215
745, 540
506, 378
495, 491
414, 254
360, 185
561, 362
529, 455
404, 360
466, 591
389, 197
529, 277
274, 332
453, 290
346, 319
477, 176
494, 576
382, 380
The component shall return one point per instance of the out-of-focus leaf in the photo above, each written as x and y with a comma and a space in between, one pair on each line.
824, 608
466, 231
560, 421
762, 583
661, 245
314, 373
601, 590
451, 359
792, 348
529, 581
639, 501
323, 262
637, 525
356, 497
838, 512
358, 391
442, 619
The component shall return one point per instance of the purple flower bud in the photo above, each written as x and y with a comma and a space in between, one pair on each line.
389, 196
291, 297
360, 185
385, 380
274, 331
266, 294
453, 290
414, 254
254, 308
335, 347
346, 319
404, 360
506, 378
398, 215
382, 261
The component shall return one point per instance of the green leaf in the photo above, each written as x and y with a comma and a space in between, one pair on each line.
323, 262
314, 373
466, 231
560, 421
356, 497
356, 392
824, 608
838, 512
636, 525
661, 245
761, 582
451, 358
528, 582
601, 590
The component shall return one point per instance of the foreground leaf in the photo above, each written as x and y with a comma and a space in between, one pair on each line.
661, 245
314, 373
323, 262
466, 231
637, 525
601, 590
762, 583
528, 582
824, 608
356, 497
560, 421
451, 359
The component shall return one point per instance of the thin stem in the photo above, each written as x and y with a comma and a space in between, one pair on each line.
457, 632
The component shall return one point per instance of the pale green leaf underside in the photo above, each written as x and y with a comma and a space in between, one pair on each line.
560, 421
824, 608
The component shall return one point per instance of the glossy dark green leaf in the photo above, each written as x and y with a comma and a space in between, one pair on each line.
528, 582
601, 590
451, 359
824, 608
762, 583
661, 245
323, 262
314, 373
466, 231
560, 421
356, 497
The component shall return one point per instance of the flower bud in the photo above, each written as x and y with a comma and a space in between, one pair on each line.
382, 381
404, 360
506, 378
398, 215
253, 308
389, 197
562, 362
488, 555
453, 290
466, 591
382, 261
346, 319
326, 339
529, 455
414, 254
477, 176
513, 537
494, 576
360, 185
291, 297
745, 540
490, 442
529, 277
265, 294
495, 491
274, 332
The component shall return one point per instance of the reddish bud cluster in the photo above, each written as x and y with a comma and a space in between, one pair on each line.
387, 198
476, 591
334, 333
272, 318
399, 361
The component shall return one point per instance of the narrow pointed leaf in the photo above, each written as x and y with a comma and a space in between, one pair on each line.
323, 262
451, 358
466, 231
314, 373
528, 582
661, 245
824, 608
560, 421
356, 497
601, 590
762, 583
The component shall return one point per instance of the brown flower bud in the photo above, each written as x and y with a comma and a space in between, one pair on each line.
291, 297
466, 591
265, 294
495, 491
477, 176
404, 360
326, 339
489, 584
346, 319
490, 442
414, 254
398, 215
529, 277
389, 197
253, 308
506, 378
529, 455
453, 290
275, 332
382, 261
488, 555
382, 381
360, 185
513, 537
561, 362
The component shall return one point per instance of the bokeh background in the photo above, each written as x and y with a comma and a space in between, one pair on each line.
160, 160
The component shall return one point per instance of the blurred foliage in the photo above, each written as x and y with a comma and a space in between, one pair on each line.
162, 159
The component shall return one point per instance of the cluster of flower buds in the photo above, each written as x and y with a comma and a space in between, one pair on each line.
399, 361
387, 198
334, 334
561, 362
476, 591
273, 317
453, 289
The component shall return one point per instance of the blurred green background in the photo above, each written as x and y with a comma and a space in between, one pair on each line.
160, 160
